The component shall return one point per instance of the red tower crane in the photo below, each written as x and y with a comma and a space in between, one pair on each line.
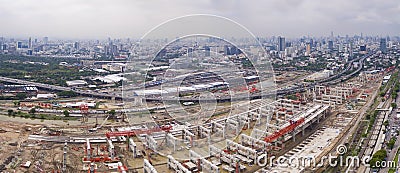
84, 108
122, 168
285, 130
84, 111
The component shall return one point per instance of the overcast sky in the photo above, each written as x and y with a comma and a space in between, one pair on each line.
99, 19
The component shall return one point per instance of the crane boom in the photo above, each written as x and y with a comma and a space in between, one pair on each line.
138, 132
281, 132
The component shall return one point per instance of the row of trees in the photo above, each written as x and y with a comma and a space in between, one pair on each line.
52, 73
378, 158
67, 94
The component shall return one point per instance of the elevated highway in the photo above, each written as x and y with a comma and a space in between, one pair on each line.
329, 81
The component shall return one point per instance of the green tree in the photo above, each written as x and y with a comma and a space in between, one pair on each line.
292, 97
67, 94
391, 142
10, 112
112, 112
66, 113
379, 156
17, 103
386, 123
32, 111
21, 96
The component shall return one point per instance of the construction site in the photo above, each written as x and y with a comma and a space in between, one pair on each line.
230, 141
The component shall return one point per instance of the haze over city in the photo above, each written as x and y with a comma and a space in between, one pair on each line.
96, 19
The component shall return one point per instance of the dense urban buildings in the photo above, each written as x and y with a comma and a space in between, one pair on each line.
265, 87
317, 79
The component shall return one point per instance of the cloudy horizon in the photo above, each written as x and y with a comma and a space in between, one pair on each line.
99, 19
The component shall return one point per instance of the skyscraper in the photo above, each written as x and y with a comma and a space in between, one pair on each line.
1, 43
207, 51
330, 45
76, 45
234, 50
382, 46
19, 44
45, 40
308, 49
351, 49
281, 43
189, 52
227, 50
30, 43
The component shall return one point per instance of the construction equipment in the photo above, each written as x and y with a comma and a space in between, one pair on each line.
281, 132
138, 132
253, 89
122, 168
100, 159
84, 111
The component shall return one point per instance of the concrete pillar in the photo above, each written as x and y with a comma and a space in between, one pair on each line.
294, 135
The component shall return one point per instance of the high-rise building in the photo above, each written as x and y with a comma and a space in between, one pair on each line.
45, 40
363, 48
340, 47
382, 46
4, 47
76, 45
19, 44
30, 43
189, 52
114, 50
207, 51
308, 49
227, 50
281, 43
1, 43
351, 49
234, 50
330, 45
107, 50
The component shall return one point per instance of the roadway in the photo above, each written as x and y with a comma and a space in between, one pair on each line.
329, 81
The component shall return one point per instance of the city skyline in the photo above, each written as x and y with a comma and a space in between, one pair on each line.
132, 19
